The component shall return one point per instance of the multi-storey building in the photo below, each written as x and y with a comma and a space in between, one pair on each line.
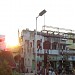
54, 45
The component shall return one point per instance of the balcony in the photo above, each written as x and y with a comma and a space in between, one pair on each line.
55, 52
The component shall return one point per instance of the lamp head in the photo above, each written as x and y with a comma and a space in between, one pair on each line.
42, 12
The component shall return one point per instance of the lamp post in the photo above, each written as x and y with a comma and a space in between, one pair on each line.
62, 59
40, 14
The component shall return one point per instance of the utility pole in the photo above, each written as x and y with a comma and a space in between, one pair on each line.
62, 60
45, 61
40, 14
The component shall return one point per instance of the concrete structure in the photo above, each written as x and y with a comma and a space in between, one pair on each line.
54, 45
26, 51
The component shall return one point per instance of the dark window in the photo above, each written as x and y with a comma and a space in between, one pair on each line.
64, 47
54, 45
38, 44
33, 45
30, 44
46, 45
27, 43
73, 40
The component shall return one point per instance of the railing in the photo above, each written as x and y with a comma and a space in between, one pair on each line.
29, 73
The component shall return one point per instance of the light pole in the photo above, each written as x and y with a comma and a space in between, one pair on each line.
62, 59
40, 14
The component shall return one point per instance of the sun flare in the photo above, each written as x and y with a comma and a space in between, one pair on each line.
10, 42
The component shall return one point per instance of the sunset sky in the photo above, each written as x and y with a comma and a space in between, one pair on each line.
21, 14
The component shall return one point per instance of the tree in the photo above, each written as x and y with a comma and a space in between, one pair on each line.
5, 69
7, 63
8, 57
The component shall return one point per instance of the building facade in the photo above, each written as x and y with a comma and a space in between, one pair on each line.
54, 45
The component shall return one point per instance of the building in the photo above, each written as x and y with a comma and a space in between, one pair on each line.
26, 51
54, 45
2, 42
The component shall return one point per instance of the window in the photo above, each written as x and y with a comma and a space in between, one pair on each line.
30, 44
73, 40
46, 45
54, 45
27, 44
38, 44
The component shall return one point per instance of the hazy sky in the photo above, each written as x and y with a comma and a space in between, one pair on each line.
21, 14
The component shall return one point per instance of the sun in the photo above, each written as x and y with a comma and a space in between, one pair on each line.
11, 41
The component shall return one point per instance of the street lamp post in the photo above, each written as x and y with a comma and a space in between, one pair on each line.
62, 59
40, 14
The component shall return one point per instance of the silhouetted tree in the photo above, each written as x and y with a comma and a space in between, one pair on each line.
5, 69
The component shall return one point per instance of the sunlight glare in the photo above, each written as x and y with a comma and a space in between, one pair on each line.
11, 41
